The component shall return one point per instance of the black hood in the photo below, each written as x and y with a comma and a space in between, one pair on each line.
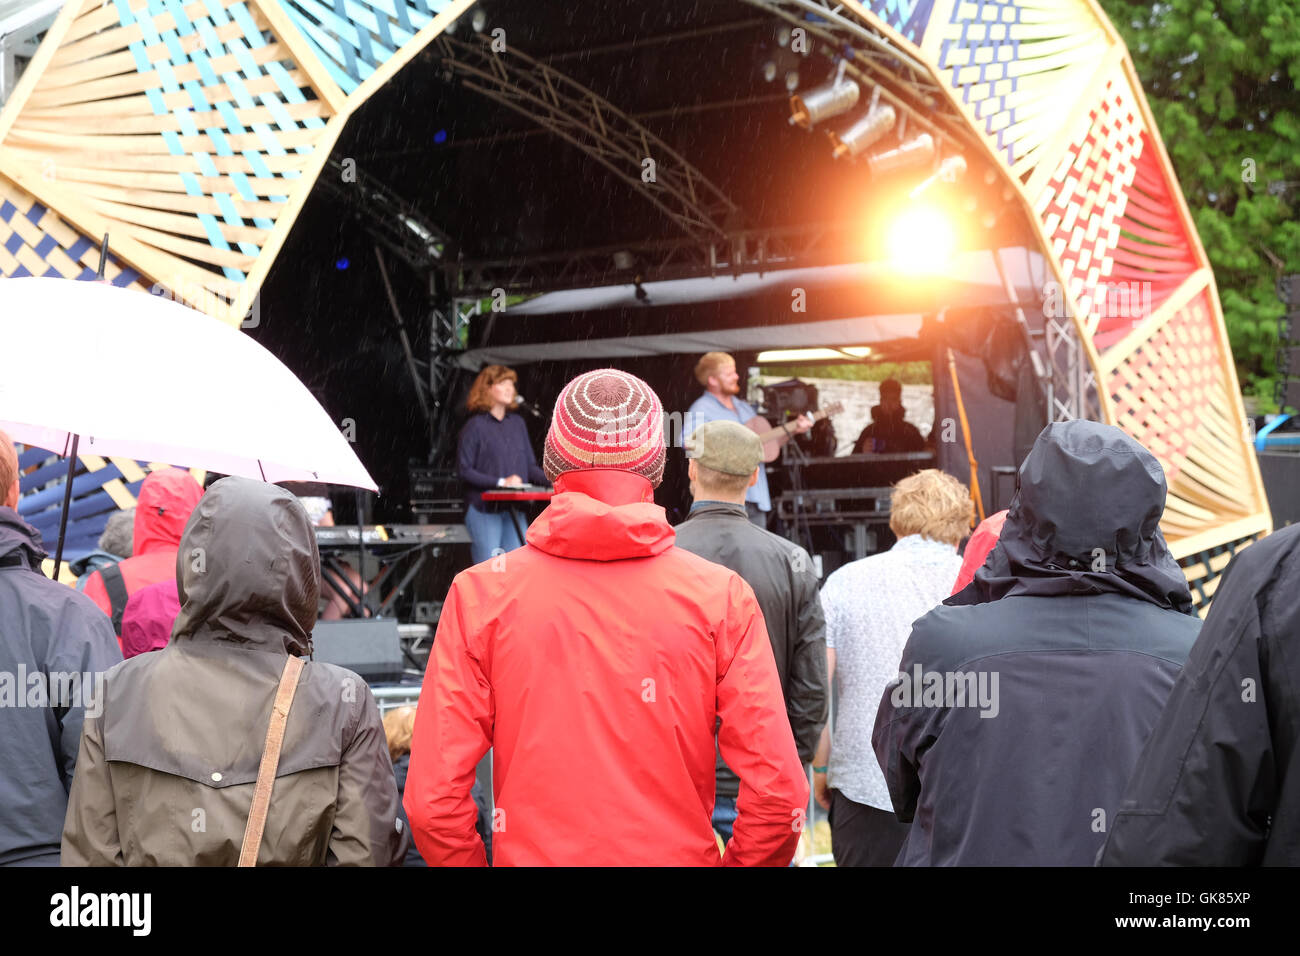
1085, 520
18, 537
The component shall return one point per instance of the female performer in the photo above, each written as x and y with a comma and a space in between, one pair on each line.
494, 453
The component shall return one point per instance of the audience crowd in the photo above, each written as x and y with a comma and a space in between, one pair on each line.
1038, 692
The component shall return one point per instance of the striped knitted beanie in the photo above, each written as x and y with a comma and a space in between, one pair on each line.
606, 419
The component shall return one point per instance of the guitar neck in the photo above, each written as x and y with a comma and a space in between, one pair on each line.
783, 430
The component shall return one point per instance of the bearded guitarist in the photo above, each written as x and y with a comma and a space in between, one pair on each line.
716, 371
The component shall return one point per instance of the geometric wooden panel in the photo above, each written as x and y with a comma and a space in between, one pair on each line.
36, 241
192, 132
1162, 387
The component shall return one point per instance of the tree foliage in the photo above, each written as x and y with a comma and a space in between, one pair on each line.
1221, 79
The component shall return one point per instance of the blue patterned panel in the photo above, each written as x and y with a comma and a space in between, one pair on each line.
908, 17
354, 37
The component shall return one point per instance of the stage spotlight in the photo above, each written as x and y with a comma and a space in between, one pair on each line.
783, 36
769, 71
792, 81
342, 263
949, 171
479, 20
921, 240
869, 129
823, 102
918, 151
624, 260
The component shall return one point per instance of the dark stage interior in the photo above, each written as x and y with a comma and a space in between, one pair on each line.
503, 187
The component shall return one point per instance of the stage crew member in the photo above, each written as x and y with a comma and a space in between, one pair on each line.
494, 453
721, 401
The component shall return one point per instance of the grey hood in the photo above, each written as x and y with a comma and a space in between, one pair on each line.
248, 570
1085, 520
18, 537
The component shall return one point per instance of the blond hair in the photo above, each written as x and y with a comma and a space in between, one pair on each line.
709, 363
399, 727
932, 504
8, 466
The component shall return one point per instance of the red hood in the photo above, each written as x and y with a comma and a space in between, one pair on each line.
162, 508
983, 541
601, 514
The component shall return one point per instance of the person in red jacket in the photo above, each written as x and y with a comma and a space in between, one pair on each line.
166, 498
595, 662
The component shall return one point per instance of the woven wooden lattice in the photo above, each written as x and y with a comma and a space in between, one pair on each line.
192, 132
36, 241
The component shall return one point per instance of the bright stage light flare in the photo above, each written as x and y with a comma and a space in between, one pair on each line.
921, 239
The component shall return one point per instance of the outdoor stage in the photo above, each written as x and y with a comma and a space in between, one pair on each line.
361, 192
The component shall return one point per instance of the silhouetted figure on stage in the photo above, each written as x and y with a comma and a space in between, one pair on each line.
889, 431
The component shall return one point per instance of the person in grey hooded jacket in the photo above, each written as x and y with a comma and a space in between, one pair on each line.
54, 644
1024, 700
167, 771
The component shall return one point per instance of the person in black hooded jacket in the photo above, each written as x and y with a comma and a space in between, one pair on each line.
1024, 700
1217, 784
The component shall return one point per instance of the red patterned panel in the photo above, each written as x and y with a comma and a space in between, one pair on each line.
1162, 389
1153, 248
1083, 203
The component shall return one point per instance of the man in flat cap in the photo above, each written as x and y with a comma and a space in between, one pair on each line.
725, 459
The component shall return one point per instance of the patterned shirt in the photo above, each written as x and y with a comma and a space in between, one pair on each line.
870, 606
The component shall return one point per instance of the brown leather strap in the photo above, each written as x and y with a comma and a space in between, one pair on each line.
270, 761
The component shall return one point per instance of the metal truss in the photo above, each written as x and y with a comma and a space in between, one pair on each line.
1074, 382
20, 35
392, 221
594, 125
873, 60
735, 253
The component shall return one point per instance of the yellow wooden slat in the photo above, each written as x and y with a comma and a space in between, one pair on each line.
172, 222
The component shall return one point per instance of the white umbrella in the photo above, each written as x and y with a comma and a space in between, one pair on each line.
141, 376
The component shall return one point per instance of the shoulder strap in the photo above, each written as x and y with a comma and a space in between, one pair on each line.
115, 588
270, 761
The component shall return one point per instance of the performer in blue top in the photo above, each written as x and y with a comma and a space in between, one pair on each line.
716, 371
494, 453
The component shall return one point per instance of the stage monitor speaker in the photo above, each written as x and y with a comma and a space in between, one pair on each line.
373, 649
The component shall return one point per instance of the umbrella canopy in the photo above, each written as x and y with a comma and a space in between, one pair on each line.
141, 376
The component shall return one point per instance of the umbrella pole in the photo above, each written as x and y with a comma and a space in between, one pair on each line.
361, 558
67, 503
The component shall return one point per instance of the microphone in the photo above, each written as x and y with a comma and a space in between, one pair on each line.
527, 406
